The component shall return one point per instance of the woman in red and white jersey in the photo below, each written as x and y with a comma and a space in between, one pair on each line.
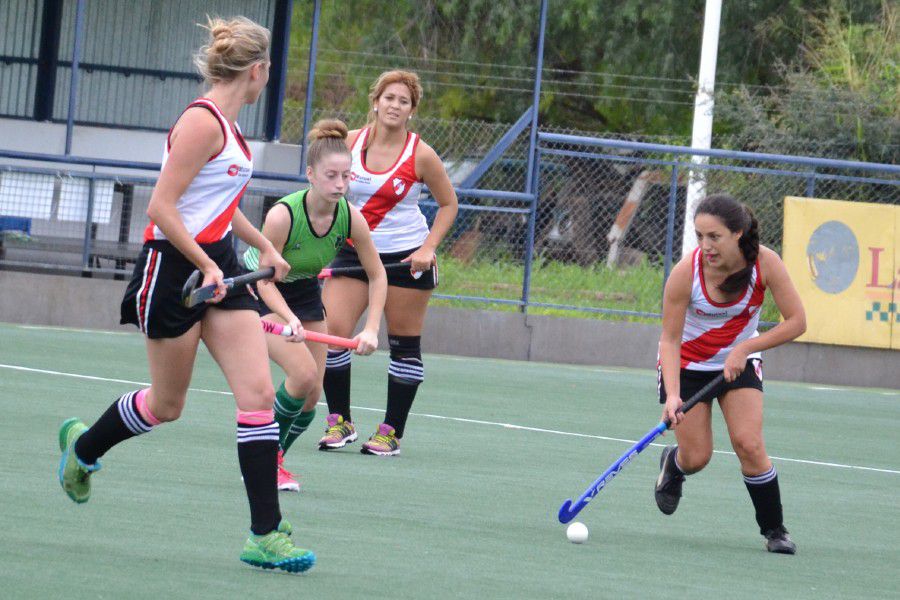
711, 308
390, 164
193, 210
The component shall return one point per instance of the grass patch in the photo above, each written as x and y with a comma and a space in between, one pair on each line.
637, 288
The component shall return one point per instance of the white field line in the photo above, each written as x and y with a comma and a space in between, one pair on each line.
462, 420
71, 329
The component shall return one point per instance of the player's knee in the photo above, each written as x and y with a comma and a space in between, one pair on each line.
338, 359
258, 396
749, 448
693, 460
406, 359
166, 409
304, 381
166, 413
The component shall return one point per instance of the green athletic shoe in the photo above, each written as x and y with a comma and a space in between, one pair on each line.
74, 475
275, 550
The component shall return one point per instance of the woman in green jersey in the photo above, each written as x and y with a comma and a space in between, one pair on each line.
308, 228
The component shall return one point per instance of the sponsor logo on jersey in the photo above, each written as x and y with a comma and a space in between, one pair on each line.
235, 170
399, 185
354, 176
703, 313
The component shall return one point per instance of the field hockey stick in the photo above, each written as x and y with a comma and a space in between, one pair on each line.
310, 336
326, 273
191, 295
568, 510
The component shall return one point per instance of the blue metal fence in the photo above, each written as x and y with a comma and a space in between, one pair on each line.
598, 235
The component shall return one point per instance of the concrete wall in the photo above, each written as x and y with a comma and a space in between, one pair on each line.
94, 303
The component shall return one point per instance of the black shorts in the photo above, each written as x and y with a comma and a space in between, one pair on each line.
153, 297
347, 257
303, 297
693, 381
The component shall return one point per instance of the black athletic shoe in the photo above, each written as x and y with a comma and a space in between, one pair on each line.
778, 541
668, 484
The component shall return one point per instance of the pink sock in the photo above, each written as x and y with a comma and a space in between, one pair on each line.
255, 417
140, 402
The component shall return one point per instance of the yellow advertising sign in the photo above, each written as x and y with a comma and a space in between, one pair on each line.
895, 305
843, 257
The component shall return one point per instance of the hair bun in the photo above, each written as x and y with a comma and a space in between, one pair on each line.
328, 128
233, 46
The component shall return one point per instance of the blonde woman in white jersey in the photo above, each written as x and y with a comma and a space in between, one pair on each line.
390, 164
206, 167
711, 308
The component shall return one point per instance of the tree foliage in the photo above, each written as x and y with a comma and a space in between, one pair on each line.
841, 93
609, 65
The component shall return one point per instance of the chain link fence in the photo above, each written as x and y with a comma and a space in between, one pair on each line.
617, 212
607, 222
93, 223
600, 224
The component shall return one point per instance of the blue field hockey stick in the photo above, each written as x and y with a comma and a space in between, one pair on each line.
191, 295
568, 510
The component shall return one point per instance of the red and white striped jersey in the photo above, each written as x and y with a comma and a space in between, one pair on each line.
389, 200
712, 329
209, 202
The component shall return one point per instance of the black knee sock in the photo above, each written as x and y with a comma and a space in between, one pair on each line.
674, 466
337, 383
120, 422
401, 393
766, 499
405, 373
258, 455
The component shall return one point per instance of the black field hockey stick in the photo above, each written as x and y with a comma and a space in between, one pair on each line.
337, 271
191, 295
569, 509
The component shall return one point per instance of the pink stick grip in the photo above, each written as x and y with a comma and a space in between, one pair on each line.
324, 273
310, 336
276, 328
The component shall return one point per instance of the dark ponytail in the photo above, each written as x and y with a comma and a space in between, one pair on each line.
738, 218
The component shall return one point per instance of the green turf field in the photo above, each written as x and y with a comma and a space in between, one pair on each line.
468, 510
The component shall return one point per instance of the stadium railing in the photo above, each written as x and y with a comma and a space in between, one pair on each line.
599, 239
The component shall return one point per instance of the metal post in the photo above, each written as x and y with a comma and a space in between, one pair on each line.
73, 83
536, 100
701, 136
310, 76
670, 223
88, 229
48, 60
534, 185
281, 44
127, 190
811, 185
531, 174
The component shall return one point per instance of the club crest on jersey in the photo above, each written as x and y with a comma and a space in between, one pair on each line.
338, 242
399, 185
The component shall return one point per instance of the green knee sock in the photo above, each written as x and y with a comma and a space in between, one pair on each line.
300, 424
287, 409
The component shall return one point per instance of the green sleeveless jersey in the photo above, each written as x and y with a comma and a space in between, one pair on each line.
306, 252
